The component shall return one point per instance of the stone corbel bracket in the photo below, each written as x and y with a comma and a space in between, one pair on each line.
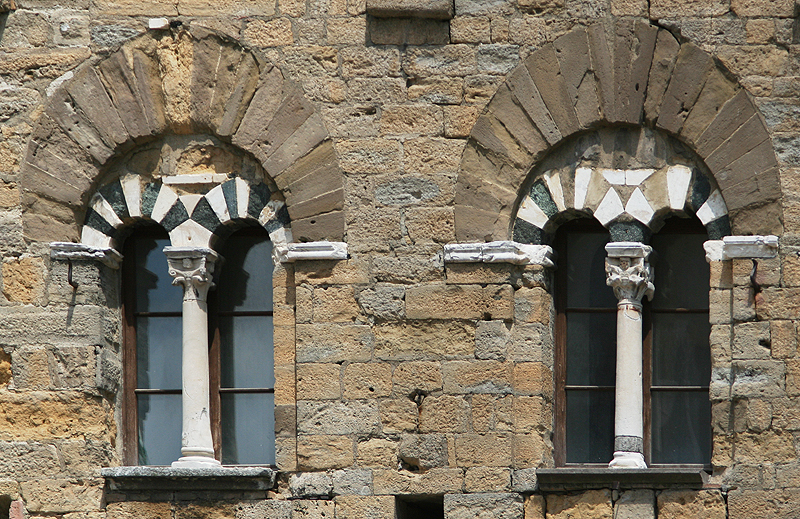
737, 247
68, 251
499, 252
315, 250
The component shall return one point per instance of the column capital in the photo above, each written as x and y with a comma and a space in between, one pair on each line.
628, 272
192, 267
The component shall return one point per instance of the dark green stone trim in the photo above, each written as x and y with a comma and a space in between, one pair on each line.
719, 228
149, 197
116, 198
629, 231
175, 216
229, 192
259, 196
701, 189
98, 223
205, 215
526, 232
281, 219
541, 196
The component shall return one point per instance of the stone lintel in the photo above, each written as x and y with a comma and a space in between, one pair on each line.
68, 251
435, 9
160, 479
499, 252
315, 250
741, 247
581, 478
196, 178
628, 249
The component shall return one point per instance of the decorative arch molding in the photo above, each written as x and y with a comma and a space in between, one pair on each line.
181, 82
628, 73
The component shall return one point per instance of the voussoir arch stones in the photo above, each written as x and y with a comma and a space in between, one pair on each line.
180, 82
631, 73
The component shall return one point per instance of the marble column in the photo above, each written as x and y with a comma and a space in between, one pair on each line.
628, 273
192, 268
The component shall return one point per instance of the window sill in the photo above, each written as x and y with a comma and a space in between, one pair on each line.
137, 479
584, 478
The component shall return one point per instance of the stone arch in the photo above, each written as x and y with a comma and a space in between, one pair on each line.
177, 82
628, 73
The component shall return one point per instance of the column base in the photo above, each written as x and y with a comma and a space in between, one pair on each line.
627, 460
195, 462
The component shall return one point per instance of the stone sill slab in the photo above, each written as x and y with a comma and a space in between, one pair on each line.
584, 478
171, 479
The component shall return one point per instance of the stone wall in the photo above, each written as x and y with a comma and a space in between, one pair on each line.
397, 374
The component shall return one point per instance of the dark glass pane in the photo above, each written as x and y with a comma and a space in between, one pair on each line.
591, 349
154, 289
681, 272
681, 355
246, 351
245, 282
681, 422
248, 428
586, 278
158, 352
590, 426
159, 429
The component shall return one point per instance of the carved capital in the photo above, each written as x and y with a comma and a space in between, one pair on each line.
628, 272
193, 269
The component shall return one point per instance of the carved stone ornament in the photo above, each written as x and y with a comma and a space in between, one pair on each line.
192, 268
628, 272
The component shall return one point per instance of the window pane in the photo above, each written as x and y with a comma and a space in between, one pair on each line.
591, 349
154, 289
248, 431
681, 427
246, 351
158, 352
681, 355
590, 426
159, 429
586, 278
681, 271
246, 277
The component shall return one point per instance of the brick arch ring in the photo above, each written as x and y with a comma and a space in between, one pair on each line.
178, 82
628, 74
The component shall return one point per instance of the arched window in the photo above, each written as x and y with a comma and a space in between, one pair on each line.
240, 357
676, 353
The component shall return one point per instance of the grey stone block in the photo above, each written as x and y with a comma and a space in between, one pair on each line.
483, 506
424, 451
352, 482
523, 480
438, 9
311, 484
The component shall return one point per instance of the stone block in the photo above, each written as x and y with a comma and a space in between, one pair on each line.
382, 301
745, 304
477, 376
451, 60
467, 301
635, 504
483, 506
430, 225
483, 450
751, 340
532, 414
487, 479
318, 381
347, 31
335, 305
423, 452
682, 92
310, 484
367, 380
131, 510
369, 156
411, 119
434, 481
592, 503
471, 29
399, 415
377, 452
407, 31
436, 9
334, 342
759, 378
440, 90
778, 303
369, 62
533, 378
424, 340
352, 482
354, 271
62, 495
524, 480
444, 414
373, 90
363, 507
459, 120
491, 340
324, 452
677, 504
416, 377
337, 417
783, 339
679, 9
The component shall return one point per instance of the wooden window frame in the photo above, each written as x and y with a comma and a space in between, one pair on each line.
560, 300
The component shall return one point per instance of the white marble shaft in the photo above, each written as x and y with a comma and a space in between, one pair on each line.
192, 268
628, 273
